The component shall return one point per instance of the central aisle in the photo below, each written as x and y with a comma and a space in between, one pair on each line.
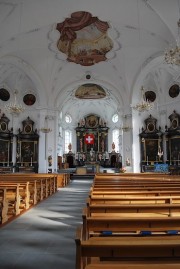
44, 236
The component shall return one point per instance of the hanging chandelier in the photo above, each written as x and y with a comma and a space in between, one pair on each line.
46, 129
13, 107
144, 104
172, 56
126, 128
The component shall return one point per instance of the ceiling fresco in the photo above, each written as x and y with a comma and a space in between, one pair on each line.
90, 91
84, 39
35, 59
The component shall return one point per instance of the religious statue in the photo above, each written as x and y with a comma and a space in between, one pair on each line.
160, 153
100, 156
128, 162
50, 160
113, 147
84, 157
102, 145
81, 144
91, 154
70, 147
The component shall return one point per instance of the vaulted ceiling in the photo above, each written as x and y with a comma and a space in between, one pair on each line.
140, 31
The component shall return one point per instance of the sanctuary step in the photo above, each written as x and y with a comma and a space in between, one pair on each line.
82, 177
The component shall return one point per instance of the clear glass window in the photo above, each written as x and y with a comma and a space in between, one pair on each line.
115, 139
68, 119
68, 140
115, 118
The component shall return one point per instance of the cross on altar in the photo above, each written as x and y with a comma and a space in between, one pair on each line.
89, 139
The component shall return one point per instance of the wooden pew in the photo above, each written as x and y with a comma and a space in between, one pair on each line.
111, 235
11, 199
135, 200
134, 183
123, 193
63, 180
51, 177
17, 195
137, 265
135, 176
46, 184
36, 188
115, 180
162, 249
133, 223
19, 192
3, 206
161, 209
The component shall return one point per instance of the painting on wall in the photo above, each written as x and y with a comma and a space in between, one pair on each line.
151, 149
91, 121
29, 99
90, 91
4, 94
28, 151
174, 91
84, 39
5, 152
175, 150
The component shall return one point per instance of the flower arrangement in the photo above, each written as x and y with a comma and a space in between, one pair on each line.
122, 170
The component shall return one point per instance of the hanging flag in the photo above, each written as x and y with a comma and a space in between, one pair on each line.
89, 139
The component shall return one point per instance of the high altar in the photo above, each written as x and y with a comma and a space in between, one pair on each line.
92, 144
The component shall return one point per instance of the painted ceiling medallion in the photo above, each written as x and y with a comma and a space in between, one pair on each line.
84, 39
174, 91
4, 94
29, 99
90, 91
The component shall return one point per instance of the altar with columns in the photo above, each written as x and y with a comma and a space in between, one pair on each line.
92, 145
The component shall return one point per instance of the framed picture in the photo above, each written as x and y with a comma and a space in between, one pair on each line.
174, 91
28, 151
175, 148
5, 151
91, 121
29, 99
3, 126
150, 150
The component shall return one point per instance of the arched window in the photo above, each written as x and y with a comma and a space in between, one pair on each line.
115, 118
115, 139
68, 118
68, 140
